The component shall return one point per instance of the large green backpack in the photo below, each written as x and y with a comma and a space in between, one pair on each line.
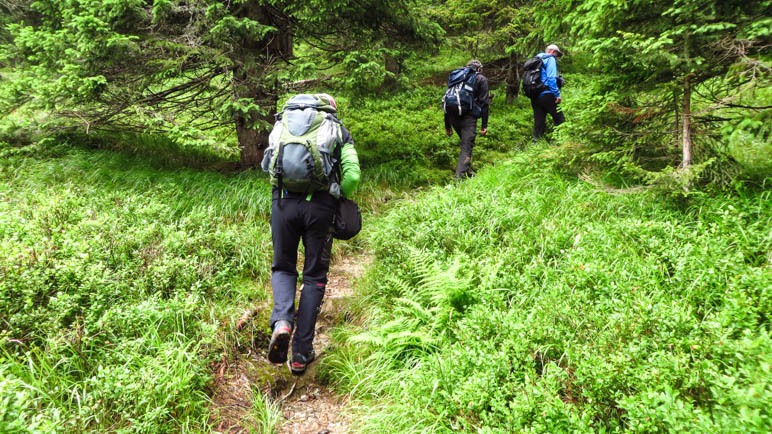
302, 147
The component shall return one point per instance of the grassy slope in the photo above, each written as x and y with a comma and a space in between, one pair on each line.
119, 275
116, 274
522, 300
120, 271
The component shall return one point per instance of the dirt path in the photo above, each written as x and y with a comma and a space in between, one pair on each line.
306, 406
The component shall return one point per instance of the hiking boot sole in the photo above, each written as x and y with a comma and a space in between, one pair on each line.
277, 349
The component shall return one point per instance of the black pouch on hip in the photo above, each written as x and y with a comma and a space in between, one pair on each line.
348, 219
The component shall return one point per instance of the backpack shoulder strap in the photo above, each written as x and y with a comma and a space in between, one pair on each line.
471, 76
337, 155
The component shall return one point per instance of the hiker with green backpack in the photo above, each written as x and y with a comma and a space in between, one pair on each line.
312, 164
466, 99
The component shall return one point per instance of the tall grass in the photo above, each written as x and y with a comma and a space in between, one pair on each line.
267, 414
115, 277
524, 301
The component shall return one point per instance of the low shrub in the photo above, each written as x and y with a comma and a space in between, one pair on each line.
522, 300
111, 270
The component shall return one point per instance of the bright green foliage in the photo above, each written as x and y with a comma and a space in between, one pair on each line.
522, 301
111, 269
652, 61
122, 64
186, 67
373, 42
267, 413
647, 43
519, 300
484, 27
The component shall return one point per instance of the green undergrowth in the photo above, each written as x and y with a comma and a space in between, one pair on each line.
118, 280
524, 301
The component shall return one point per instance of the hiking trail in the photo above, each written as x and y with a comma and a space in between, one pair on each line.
306, 406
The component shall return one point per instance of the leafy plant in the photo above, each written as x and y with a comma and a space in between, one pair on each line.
521, 300
109, 284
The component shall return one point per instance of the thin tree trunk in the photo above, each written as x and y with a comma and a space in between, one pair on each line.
676, 121
393, 65
686, 124
513, 79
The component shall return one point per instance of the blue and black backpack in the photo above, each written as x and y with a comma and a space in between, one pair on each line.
459, 96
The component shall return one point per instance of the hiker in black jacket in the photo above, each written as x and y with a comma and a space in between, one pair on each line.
466, 125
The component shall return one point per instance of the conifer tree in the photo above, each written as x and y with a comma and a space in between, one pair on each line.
181, 65
669, 49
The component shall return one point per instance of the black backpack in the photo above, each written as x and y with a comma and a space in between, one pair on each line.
459, 96
532, 84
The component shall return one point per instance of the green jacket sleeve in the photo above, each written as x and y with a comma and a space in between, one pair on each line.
349, 167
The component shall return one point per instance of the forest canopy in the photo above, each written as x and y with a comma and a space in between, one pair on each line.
691, 74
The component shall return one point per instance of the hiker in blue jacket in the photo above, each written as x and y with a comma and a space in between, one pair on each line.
548, 100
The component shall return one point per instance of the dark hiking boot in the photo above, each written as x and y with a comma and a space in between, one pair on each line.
300, 362
277, 349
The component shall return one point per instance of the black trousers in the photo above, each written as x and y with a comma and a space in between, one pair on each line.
541, 106
293, 219
466, 128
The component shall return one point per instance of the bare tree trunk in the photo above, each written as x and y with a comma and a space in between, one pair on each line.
686, 123
253, 61
253, 127
393, 65
513, 79
252, 141
676, 121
